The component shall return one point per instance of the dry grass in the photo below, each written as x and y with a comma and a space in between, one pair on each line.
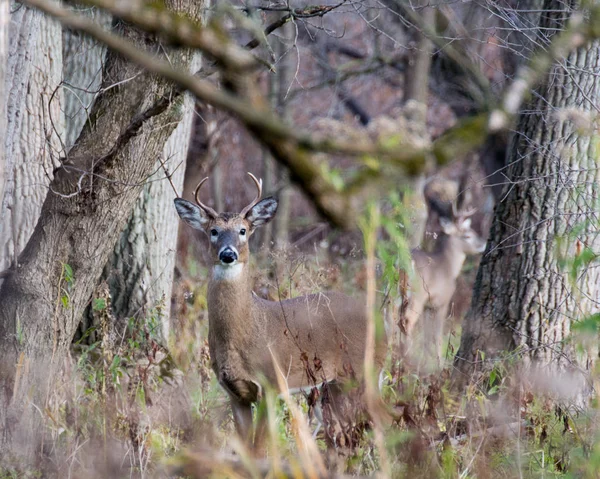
135, 410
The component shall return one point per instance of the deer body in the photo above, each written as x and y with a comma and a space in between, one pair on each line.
438, 271
247, 334
436, 274
311, 339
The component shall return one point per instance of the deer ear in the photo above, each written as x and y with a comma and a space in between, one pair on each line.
447, 225
466, 224
192, 214
262, 212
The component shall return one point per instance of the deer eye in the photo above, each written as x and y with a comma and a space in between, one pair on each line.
214, 232
243, 232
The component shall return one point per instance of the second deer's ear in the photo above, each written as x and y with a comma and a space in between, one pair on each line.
192, 214
448, 226
262, 212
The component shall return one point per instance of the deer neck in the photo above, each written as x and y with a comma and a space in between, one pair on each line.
451, 254
230, 302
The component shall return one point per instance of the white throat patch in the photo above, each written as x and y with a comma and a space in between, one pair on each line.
222, 272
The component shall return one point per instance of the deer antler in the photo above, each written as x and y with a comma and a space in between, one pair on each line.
462, 213
208, 209
258, 184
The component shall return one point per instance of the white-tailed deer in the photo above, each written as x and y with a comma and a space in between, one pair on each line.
313, 339
436, 272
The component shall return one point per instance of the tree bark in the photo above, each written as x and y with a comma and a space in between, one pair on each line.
90, 199
4, 23
524, 294
82, 73
140, 269
283, 80
34, 125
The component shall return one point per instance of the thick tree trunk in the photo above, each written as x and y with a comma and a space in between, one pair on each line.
4, 23
140, 269
525, 296
34, 125
82, 74
90, 200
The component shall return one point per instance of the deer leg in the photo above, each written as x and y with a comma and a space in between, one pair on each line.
438, 329
408, 322
333, 420
260, 428
434, 327
242, 417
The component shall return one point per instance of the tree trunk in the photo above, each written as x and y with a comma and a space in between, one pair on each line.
34, 125
528, 291
140, 269
282, 82
4, 23
417, 74
91, 197
82, 73
416, 99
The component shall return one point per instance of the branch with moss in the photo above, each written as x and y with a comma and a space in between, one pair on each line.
289, 145
154, 17
293, 147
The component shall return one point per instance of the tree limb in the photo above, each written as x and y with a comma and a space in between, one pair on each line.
288, 144
176, 27
532, 73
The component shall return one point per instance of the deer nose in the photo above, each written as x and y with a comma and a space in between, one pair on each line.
228, 256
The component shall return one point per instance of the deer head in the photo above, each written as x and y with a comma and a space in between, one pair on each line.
228, 232
458, 226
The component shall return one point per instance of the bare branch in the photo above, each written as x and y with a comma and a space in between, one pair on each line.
533, 72
177, 28
289, 145
458, 55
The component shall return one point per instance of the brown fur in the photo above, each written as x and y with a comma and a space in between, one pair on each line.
313, 339
435, 280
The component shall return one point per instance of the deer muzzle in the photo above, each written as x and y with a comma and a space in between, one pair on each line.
228, 255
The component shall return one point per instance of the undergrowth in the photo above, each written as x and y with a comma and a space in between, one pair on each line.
137, 405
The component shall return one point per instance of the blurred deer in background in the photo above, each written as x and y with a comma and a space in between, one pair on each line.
310, 340
436, 272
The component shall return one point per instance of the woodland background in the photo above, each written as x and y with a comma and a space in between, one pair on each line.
359, 115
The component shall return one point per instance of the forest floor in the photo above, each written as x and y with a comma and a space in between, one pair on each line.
133, 408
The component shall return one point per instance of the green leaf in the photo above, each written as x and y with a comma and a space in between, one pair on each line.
68, 273
493, 390
493, 376
99, 304
116, 361
587, 325
65, 301
582, 260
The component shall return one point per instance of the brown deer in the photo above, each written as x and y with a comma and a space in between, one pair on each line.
436, 272
312, 339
